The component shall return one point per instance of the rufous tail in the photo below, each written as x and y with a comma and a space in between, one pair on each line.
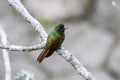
43, 54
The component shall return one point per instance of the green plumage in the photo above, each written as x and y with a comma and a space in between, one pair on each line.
54, 41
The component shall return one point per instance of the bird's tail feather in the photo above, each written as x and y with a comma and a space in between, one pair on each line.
43, 54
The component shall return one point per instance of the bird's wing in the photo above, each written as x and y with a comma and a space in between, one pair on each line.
53, 43
51, 40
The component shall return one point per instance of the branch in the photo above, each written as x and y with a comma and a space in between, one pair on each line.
5, 55
75, 63
17, 5
22, 48
37, 26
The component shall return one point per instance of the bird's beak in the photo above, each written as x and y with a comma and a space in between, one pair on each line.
66, 28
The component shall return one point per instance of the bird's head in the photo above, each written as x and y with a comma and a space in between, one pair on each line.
60, 28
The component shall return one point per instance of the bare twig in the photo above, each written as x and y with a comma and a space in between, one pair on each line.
22, 48
35, 24
5, 55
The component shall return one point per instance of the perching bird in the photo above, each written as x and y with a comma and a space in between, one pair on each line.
54, 41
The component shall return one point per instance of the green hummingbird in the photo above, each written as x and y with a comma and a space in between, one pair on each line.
54, 41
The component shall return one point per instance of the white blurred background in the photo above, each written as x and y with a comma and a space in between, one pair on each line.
93, 37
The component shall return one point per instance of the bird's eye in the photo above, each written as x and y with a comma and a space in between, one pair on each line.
61, 26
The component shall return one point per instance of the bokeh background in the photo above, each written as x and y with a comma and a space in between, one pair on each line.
93, 37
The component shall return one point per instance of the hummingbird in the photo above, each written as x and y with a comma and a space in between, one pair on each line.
54, 41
